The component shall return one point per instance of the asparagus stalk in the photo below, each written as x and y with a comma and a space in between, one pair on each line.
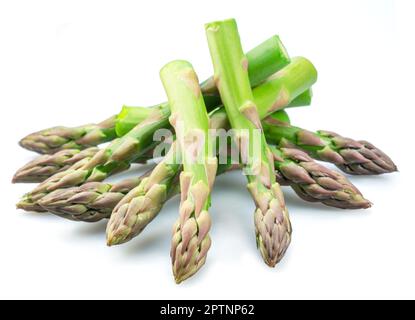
302, 100
273, 228
47, 165
299, 76
315, 183
351, 156
191, 240
270, 53
265, 59
29, 201
51, 140
90, 202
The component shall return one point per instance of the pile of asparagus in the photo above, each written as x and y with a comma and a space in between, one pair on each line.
246, 97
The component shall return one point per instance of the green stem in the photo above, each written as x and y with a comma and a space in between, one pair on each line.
129, 117
284, 86
302, 100
188, 111
264, 60
351, 156
189, 117
231, 76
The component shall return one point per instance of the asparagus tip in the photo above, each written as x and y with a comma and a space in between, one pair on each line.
178, 280
28, 144
182, 276
28, 206
113, 240
110, 241
361, 203
368, 204
22, 142
18, 177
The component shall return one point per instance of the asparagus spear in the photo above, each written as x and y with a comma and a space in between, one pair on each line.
272, 95
273, 228
191, 240
47, 165
302, 100
314, 182
265, 59
270, 52
90, 202
351, 156
51, 140
29, 201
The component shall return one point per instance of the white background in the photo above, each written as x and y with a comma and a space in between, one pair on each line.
72, 62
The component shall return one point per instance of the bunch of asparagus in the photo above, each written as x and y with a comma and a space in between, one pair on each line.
245, 99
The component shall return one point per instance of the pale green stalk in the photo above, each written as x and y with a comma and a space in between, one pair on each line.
191, 240
273, 228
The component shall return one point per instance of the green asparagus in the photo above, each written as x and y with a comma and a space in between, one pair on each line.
191, 240
245, 98
273, 228
314, 182
47, 165
90, 202
51, 140
29, 201
351, 156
